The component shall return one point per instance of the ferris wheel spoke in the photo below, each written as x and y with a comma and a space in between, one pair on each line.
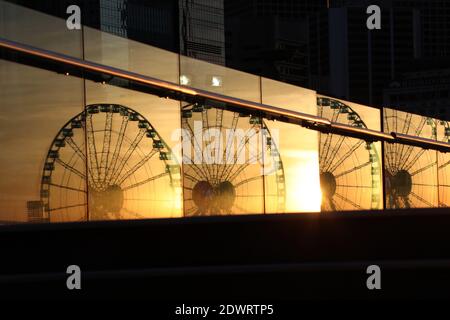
423, 169
444, 165
230, 139
197, 150
421, 199
353, 186
419, 130
348, 201
68, 207
205, 123
127, 155
252, 160
92, 155
219, 124
161, 175
240, 149
426, 185
67, 187
325, 155
353, 169
197, 170
408, 165
106, 146
117, 148
189, 177
137, 166
70, 168
79, 151
344, 157
241, 183
332, 153
404, 156
407, 123
391, 160
405, 162
76, 148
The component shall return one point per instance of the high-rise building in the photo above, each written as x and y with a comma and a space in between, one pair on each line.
365, 65
192, 27
202, 30
285, 40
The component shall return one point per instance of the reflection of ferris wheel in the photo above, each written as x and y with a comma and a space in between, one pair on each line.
108, 162
409, 171
237, 183
444, 165
350, 171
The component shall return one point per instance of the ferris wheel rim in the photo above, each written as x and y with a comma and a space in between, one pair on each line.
374, 158
60, 139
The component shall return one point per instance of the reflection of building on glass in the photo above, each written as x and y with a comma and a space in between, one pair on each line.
112, 17
364, 62
130, 170
282, 40
350, 169
35, 211
424, 92
202, 34
410, 172
234, 182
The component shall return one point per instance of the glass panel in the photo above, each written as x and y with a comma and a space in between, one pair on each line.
291, 152
410, 172
218, 79
222, 161
31, 27
114, 51
443, 134
42, 175
350, 169
133, 154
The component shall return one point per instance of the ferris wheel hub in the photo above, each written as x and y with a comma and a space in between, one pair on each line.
400, 183
328, 184
219, 197
105, 202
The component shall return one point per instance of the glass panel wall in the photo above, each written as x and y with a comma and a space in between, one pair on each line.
105, 149
410, 172
350, 169
134, 154
291, 152
122, 53
218, 79
33, 28
222, 161
443, 134
42, 162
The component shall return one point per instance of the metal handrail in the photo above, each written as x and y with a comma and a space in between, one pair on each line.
303, 119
